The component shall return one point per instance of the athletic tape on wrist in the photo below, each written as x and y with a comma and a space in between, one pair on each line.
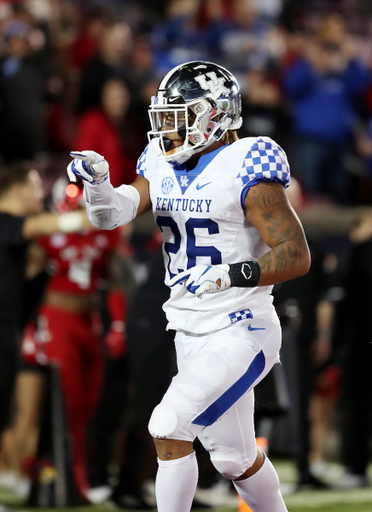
109, 207
245, 275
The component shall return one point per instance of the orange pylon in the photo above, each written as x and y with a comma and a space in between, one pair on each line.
243, 507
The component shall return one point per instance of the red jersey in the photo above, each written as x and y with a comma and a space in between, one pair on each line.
78, 260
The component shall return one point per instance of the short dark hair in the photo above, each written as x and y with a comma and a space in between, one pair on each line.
12, 173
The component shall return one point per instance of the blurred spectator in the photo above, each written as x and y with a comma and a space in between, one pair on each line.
143, 80
311, 297
269, 9
108, 131
21, 201
110, 62
263, 109
191, 31
68, 330
177, 34
20, 195
324, 397
323, 85
247, 42
364, 145
86, 45
22, 88
105, 430
355, 320
61, 117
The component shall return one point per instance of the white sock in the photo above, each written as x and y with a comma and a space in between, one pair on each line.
261, 491
175, 484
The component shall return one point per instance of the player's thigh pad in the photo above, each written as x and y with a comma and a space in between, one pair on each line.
215, 371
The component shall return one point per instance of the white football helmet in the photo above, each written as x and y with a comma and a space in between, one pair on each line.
199, 101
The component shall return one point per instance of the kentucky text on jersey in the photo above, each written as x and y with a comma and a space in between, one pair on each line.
191, 205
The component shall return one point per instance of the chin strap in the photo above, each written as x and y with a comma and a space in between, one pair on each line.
217, 135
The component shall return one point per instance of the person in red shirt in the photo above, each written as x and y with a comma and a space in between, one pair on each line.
101, 129
68, 328
86, 44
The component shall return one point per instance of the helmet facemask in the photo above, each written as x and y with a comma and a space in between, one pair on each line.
198, 123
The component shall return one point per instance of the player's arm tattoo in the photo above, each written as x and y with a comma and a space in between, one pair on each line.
268, 209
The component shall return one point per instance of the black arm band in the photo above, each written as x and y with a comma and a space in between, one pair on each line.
245, 275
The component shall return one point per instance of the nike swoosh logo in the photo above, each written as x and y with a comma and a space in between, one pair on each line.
198, 187
250, 328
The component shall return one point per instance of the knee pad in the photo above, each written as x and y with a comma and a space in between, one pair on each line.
163, 421
232, 463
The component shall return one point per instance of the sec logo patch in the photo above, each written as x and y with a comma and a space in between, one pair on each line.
167, 185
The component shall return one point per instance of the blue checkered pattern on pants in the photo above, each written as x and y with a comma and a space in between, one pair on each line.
240, 315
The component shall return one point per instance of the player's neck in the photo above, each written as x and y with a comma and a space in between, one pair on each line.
193, 161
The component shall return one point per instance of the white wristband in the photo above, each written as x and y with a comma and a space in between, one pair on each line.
70, 222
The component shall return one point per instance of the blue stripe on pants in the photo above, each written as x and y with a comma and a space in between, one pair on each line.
232, 395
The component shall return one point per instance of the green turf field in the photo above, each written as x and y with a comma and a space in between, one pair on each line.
337, 507
309, 505
356, 500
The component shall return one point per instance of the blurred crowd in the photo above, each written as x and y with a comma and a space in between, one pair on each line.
77, 75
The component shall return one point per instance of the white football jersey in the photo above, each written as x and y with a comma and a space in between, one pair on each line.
201, 216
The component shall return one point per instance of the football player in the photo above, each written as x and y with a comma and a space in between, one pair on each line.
229, 234
68, 328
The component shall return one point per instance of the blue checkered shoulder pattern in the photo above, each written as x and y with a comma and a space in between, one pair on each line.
265, 161
141, 163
